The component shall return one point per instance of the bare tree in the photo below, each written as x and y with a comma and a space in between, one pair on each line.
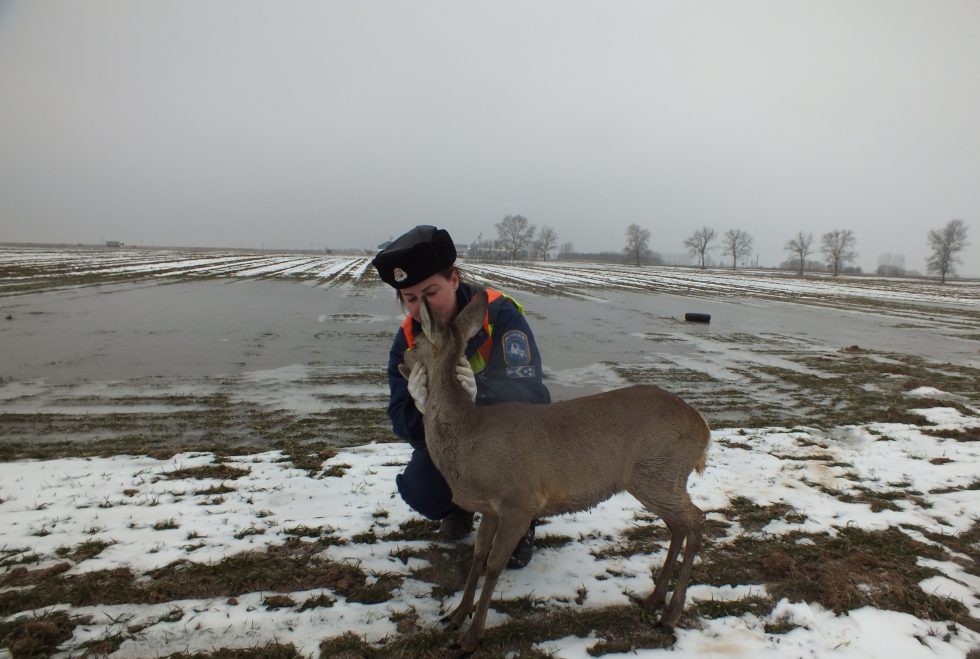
637, 243
737, 244
800, 247
515, 234
838, 247
945, 243
547, 241
566, 249
699, 244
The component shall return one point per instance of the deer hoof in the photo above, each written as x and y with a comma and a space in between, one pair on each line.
648, 602
456, 651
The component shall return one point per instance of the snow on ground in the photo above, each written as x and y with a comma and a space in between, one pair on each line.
152, 521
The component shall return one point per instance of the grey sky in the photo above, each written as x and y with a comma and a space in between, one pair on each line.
307, 124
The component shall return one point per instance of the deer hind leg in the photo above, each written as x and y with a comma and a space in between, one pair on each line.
658, 597
684, 520
481, 550
511, 527
694, 518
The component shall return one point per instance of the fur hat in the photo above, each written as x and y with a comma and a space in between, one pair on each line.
415, 256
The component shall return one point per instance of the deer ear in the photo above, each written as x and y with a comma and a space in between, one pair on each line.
470, 319
404, 369
431, 326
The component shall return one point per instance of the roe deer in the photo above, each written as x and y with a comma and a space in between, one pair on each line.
513, 462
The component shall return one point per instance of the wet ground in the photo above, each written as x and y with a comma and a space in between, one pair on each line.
184, 362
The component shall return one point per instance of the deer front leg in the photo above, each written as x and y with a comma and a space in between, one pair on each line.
511, 527
481, 549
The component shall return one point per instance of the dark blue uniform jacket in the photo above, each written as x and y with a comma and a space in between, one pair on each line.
514, 377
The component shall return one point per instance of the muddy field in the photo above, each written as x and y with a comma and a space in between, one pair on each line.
187, 353
156, 360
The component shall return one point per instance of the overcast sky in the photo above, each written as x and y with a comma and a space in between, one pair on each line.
342, 124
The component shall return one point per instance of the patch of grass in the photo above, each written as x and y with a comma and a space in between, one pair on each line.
267, 651
347, 645
730, 444
446, 569
218, 471
84, 551
104, 646
646, 538
273, 602
960, 435
520, 607
881, 500
367, 538
552, 541
166, 525
413, 529
619, 629
321, 601
966, 543
21, 576
175, 614
780, 626
40, 636
815, 457
754, 517
854, 569
215, 490
293, 566
974, 485
337, 470
251, 530
758, 606
13, 557
307, 456
324, 534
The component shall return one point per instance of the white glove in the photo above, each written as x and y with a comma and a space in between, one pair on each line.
464, 373
418, 385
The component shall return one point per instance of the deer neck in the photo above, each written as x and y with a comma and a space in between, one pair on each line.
448, 408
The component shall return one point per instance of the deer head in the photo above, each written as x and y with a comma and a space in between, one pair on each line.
443, 344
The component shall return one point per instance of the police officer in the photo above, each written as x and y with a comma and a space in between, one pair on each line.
501, 364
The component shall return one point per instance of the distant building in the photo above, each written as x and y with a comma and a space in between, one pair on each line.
114, 243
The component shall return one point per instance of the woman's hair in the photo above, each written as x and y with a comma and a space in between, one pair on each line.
447, 273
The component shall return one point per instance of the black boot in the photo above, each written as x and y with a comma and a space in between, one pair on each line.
456, 526
522, 552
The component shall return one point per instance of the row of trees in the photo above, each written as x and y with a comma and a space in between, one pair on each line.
518, 238
837, 247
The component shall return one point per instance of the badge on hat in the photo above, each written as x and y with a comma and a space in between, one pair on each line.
399, 275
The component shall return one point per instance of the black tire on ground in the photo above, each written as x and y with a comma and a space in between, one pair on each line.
698, 317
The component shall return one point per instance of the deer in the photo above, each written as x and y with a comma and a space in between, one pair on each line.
517, 462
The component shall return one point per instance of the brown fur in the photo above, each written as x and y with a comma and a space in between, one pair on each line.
515, 462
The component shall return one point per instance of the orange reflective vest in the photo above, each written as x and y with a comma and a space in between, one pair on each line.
480, 358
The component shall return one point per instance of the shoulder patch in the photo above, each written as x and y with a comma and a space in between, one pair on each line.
517, 349
521, 372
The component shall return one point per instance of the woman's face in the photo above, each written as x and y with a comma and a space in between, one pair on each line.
438, 291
